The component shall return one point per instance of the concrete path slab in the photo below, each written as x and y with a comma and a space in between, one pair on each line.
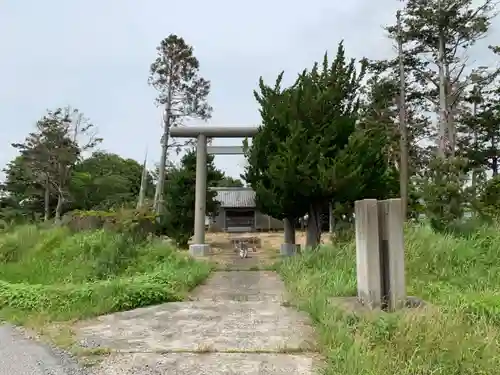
242, 286
202, 326
208, 364
236, 323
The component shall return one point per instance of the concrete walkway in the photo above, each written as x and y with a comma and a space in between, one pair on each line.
237, 323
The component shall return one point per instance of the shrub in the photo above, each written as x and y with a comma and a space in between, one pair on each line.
444, 192
16, 242
489, 200
137, 223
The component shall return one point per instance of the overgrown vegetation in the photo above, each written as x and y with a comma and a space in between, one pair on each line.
458, 332
63, 275
428, 117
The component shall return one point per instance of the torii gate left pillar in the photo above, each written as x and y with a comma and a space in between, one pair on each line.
202, 133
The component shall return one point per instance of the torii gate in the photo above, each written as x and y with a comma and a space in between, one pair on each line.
201, 133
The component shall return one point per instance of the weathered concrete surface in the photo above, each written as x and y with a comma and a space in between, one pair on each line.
210, 363
20, 355
235, 324
201, 326
242, 286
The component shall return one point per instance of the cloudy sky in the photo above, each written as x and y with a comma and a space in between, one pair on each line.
95, 55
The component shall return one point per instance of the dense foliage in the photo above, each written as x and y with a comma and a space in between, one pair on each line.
338, 134
180, 192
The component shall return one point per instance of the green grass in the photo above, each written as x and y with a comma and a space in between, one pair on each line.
458, 333
60, 276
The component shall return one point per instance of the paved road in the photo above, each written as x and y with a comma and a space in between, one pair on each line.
21, 356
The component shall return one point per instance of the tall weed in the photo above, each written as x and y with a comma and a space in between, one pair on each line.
457, 333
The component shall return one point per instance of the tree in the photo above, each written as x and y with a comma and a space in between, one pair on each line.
20, 196
403, 137
445, 198
178, 219
480, 128
228, 181
265, 169
175, 75
21, 185
52, 150
311, 148
437, 35
144, 182
106, 180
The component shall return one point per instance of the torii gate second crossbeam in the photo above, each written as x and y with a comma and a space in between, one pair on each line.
201, 133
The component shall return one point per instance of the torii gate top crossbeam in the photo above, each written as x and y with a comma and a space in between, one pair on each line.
214, 131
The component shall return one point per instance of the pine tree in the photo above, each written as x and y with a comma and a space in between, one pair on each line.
178, 219
439, 34
311, 149
181, 90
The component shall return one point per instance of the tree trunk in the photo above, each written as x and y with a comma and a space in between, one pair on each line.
451, 103
443, 114
46, 200
331, 219
474, 183
313, 230
289, 236
59, 207
160, 185
403, 138
142, 190
475, 141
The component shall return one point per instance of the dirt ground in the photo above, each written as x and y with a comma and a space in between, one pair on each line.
265, 247
271, 240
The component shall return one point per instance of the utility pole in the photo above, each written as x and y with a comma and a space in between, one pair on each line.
144, 177
403, 138
443, 102
160, 184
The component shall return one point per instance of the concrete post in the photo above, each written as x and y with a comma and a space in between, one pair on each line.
391, 222
380, 253
368, 267
199, 247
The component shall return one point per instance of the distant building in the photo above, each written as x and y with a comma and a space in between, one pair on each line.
237, 212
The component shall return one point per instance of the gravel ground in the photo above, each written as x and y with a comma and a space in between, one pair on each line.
21, 356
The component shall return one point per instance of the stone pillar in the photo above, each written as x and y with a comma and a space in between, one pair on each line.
391, 223
199, 248
368, 267
380, 253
